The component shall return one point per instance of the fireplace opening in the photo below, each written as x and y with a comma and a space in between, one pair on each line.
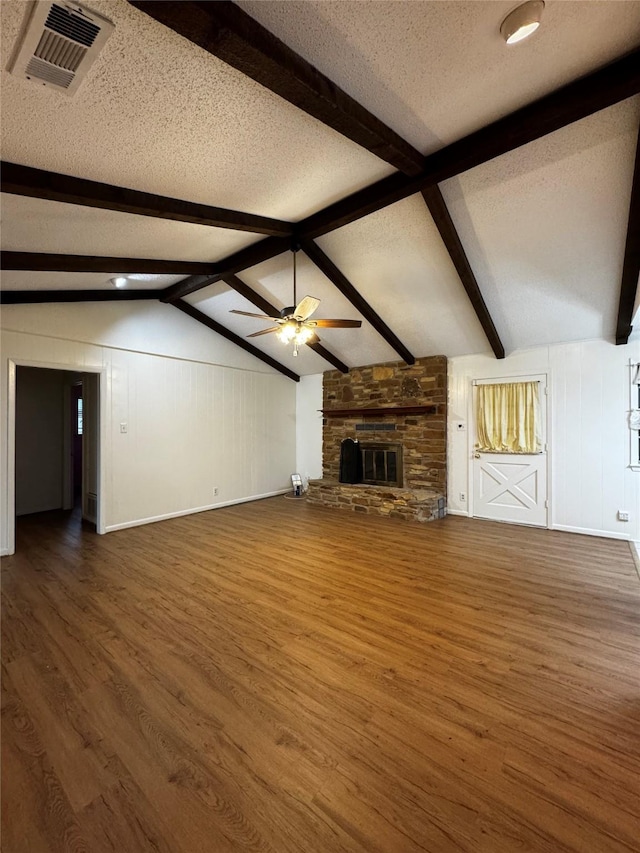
382, 464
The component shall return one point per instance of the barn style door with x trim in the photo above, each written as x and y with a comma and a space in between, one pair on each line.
512, 487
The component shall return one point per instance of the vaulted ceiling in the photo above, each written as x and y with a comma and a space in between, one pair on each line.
453, 240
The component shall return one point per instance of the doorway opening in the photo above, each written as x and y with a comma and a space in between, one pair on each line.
56, 433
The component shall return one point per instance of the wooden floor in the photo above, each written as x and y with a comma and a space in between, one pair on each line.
279, 677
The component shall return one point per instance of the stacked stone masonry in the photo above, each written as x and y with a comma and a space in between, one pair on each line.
410, 505
423, 437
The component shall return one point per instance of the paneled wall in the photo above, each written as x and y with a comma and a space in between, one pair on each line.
589, 438
193, 424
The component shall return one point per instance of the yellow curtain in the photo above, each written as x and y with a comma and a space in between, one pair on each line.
508, 417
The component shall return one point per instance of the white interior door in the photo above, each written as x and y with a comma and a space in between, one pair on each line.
512, 487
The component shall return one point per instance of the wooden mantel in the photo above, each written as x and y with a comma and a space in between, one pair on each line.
379, 411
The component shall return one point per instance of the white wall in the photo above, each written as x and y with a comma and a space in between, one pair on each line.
213, 417
39, 432
589, 439
309, 427
151, 327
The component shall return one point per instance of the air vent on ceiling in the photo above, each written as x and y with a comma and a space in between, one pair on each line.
60, 43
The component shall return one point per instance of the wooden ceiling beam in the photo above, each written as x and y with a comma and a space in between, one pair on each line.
631, 264
43, 262
225, 31
212, 324
589, 94
251, 295
264, 305
451, 239
245, 258
33, 297
331, 271
52, 186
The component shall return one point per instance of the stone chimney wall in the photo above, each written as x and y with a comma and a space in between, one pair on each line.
392, 385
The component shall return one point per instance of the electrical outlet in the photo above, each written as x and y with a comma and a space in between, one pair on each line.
623, 515
123, 426
463, 497
215, 491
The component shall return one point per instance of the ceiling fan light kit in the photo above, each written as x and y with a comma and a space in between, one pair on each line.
293, 324
522, 21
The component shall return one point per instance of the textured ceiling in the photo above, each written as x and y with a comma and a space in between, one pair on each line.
70, 229
24, 280
156, 113
543, 226
436, 71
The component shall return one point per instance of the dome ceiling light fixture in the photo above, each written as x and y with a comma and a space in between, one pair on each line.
118, 281
522, 21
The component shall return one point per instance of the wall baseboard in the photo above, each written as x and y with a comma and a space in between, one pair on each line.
565, 528
586, 531
138, 522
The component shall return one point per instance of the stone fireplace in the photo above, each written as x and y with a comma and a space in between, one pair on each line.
397, 413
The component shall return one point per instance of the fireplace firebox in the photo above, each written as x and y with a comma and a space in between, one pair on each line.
382, 464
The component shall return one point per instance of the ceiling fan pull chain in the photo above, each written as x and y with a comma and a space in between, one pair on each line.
295, 302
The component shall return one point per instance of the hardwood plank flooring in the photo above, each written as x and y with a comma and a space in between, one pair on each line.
282, 678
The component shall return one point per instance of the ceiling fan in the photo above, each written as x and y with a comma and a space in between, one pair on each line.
293, 324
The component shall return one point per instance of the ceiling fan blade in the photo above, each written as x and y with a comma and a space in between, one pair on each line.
264, 332
249, 314
338, 324
306, 308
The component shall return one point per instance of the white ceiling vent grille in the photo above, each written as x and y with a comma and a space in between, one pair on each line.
60, 43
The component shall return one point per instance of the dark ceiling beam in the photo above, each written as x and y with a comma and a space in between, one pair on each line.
33, 297
631, 265
188, 309
224, 30
451, 239
590, 94
36, 183
248, 257
331, 271
42, 262
264, 305
251, 295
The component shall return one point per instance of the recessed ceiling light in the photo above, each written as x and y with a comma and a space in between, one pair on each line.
522, 21
119, 281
